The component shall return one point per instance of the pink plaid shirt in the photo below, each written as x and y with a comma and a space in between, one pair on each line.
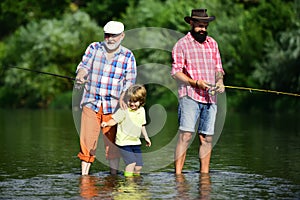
199, 62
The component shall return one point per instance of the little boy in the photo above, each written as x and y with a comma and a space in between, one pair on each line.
131, 123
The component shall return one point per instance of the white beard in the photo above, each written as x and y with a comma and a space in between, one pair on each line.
112, 46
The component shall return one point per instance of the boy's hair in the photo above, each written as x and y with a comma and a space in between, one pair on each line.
135, 93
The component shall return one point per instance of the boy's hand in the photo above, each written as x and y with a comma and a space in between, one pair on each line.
148, 142
103, 124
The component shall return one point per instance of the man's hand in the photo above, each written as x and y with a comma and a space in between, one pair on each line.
80, 77
220, 88
202, 84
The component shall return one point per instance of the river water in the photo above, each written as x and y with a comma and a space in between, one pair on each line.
257, 156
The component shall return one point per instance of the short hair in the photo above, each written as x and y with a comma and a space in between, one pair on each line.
135, 93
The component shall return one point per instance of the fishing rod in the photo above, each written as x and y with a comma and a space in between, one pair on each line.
46, 73
227, 86
262, 90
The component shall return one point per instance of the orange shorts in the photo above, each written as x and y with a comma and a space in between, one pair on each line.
89, 134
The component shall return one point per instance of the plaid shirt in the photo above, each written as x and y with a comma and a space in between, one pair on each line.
199, 62
107, 79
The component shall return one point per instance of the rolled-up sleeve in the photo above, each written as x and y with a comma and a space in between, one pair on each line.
87, 59
177, 60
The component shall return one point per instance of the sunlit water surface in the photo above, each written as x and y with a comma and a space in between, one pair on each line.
252, 160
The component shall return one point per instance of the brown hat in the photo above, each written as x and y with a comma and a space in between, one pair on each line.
199, 15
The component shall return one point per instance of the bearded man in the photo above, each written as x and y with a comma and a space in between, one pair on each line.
197, 67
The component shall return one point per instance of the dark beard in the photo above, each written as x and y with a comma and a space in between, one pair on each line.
199, 36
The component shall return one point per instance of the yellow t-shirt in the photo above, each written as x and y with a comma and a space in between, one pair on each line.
130, 124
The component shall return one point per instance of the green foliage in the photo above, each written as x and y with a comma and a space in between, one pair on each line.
62, 101
105, 10
17, 13
280, 69
157, 13
50, 46
258, 40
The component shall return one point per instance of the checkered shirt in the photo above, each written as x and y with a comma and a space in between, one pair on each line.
199, 62
107, 79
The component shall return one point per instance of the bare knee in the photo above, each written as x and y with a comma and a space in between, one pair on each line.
205, 139
185, 137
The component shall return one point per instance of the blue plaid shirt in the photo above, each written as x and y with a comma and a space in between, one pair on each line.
107, 79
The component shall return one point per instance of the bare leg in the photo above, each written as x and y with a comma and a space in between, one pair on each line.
205, 152
137, 170
129, 169
180, 152
114, 165
85, 168
111, 150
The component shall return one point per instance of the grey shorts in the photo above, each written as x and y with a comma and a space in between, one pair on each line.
193, 115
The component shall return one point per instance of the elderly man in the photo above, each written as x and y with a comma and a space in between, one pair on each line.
107, 69
198, 69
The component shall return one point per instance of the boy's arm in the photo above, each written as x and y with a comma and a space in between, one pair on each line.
122, 103
117, 117
144, 132
111, 122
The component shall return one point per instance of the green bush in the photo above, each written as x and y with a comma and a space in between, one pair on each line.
54, 46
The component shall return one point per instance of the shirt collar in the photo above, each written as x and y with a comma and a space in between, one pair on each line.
138, 111
119, 51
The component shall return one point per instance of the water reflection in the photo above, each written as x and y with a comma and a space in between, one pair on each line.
131, 188
204, 186
184, 186
160, 185
262, 163
96, 186
112, 187
88, 188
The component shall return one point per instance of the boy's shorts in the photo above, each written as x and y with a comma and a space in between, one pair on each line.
192, 114
132, 154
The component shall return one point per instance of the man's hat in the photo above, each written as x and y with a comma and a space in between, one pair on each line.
113, 27
199, 15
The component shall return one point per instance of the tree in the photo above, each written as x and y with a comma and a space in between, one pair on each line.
54, 46
104, 11
18, 13
258, 41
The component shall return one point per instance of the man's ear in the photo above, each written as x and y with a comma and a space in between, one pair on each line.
123, 35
